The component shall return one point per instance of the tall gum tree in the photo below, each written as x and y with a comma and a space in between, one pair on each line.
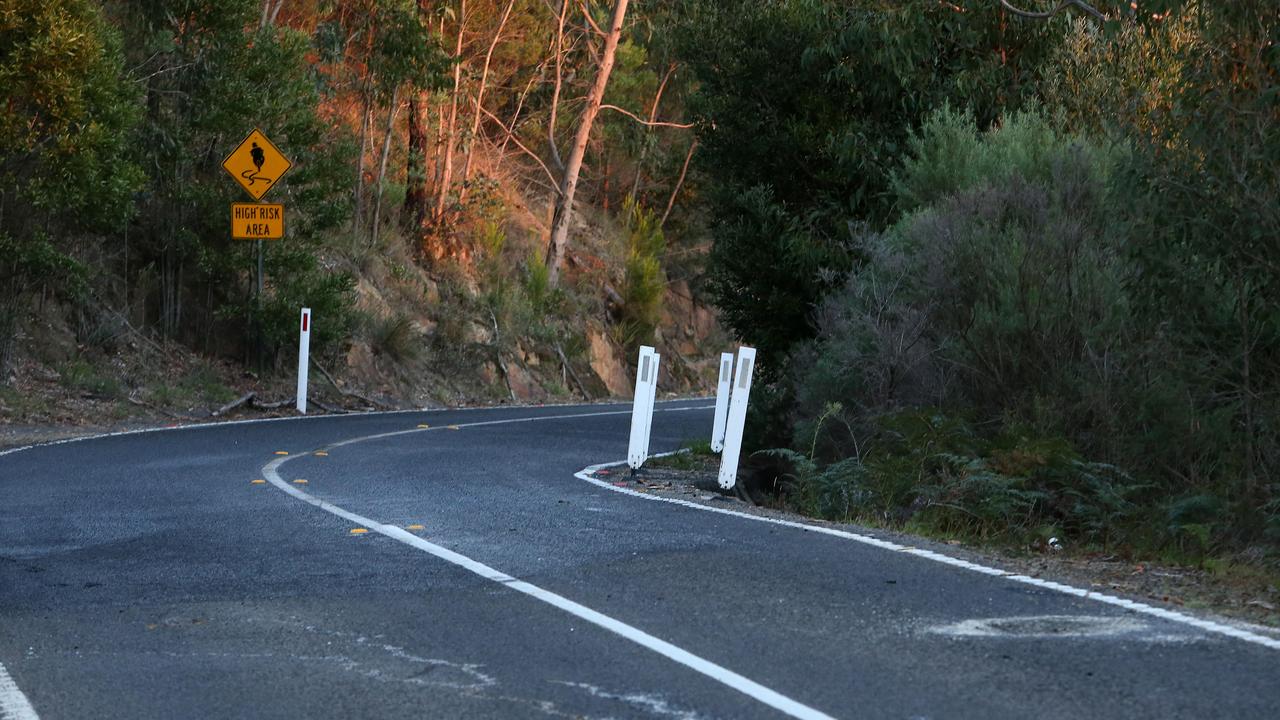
573, 166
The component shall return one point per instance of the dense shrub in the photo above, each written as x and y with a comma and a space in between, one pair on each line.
1017, 293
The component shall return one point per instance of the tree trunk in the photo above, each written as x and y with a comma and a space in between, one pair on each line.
556, 162
475, 120
675, 191
415, 196
382, 166
364, 143
450, 130
569, 183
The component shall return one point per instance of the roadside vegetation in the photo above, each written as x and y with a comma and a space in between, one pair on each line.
1013, 279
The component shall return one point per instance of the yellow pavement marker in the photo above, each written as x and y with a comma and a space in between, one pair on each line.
282, 452
259, 481
454, 427
321, 453
423, 427
415, 526
358, 531
299, 481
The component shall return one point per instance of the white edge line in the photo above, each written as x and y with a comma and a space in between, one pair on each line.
720, 674
13, 704
371, 413
1138, 607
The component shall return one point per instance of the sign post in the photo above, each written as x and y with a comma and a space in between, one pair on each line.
645, 376
723, 388
257, 165
304, 358
737, 418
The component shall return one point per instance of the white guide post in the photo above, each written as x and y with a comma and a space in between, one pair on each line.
645, 377
653, 398
737, 418
304, 358
722, 401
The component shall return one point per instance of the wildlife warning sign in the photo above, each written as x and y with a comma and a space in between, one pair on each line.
256, 164
257, 221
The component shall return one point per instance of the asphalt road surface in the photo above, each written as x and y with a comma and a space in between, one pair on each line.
149, 576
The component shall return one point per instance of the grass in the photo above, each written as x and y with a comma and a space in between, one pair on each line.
697, 457
80, 375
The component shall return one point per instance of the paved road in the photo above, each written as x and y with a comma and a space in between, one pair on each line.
147, 576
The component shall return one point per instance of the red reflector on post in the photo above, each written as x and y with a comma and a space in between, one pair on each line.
305, 318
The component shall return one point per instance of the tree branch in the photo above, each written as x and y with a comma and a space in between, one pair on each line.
642, 121
1034, 15
555, 184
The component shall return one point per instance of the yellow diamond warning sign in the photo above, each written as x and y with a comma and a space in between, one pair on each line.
256, 164
250, 221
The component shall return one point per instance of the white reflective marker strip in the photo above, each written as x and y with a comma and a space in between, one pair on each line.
1162, 613
722, 401
304, 354
698, 664
653, 398
13, 704
637, 445
736, 422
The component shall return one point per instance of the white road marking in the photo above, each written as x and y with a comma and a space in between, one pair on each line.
254, 421
698, 664
1143, 608
13, 704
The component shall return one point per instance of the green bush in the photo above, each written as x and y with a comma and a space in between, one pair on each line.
644, 284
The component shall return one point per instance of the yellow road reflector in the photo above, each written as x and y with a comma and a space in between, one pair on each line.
259, 481
423, 427
358, 531
282, 452
299, 481
321, 453
414, 527
454, 427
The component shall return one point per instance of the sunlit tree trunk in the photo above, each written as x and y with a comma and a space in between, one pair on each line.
382, 166
472, 140
451, 128
569, 184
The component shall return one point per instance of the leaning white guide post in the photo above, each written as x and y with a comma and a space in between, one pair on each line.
304, 354
737, 418
722, 401
640, 407
653, 398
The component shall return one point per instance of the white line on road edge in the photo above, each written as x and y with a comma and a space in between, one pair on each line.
13, 704
701, 665
372, 413
1170, 615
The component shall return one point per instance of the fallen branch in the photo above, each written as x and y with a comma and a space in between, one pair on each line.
246, 398
348, 393
572, 373
270, 405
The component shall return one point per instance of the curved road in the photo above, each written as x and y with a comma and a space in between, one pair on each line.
148, 576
